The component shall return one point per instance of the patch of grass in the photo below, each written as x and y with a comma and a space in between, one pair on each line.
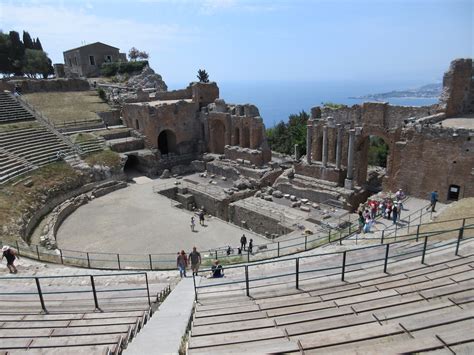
106, 157
444, 221
66, 107
18, 125
16, 198
82, 137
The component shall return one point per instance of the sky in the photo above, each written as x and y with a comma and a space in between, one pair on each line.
265, 40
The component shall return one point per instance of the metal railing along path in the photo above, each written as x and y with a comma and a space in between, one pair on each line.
382, 251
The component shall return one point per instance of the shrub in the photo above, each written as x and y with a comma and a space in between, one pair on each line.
111, 69
102, 94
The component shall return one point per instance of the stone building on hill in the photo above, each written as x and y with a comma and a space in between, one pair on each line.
85, 61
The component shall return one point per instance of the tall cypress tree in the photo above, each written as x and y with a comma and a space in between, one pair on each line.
5, 64
38, 45
16, 53
27, 41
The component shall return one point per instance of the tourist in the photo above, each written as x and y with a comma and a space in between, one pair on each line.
373, 209
394, 214
192, 224
195, 258
10, 255
388, 211
201, 217
361, 221
182, 263
243, 242
400, 208
399, 195
216, 270
229, 250
250, 246
433, 200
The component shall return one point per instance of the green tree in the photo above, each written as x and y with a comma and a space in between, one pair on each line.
27, 41
37, 63
16, 53
378, 151
5, 63
284, 136
37, 44
136, 54
203, 76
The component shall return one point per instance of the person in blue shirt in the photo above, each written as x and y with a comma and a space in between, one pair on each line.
433, 199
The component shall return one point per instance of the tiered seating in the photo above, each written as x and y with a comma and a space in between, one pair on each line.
24, 149
11, 110
72, 322
414, 308
92, 145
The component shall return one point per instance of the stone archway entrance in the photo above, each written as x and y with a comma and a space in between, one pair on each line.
167, 142
373, 161
217, 137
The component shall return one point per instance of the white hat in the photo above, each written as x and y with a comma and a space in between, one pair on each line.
5, 248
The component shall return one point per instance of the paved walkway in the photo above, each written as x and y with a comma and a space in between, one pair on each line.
164, 332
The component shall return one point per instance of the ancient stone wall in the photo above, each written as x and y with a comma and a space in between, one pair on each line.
36, 85
458, 88
430, 158
174, 94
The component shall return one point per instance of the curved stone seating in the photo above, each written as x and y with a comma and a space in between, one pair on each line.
11, 110
22, 150
70, 322
415, 308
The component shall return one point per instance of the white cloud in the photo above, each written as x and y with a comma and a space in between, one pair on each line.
60, 28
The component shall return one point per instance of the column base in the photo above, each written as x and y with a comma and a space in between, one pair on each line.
348, 184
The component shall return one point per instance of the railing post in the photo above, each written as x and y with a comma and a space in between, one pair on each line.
424, 250
278, 252
96, 302
40, 294
61, 255
396, 228
147, 289
195, 290
118, 261
343, 265
151, 263
216, 254
409, 219
460, 235
248, 255
417, 232
297, 273
88, 260
382, 237
386, 258
37, 252
305, 242
329, 236
247, 287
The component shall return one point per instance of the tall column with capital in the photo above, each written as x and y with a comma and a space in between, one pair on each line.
338, 146
325, 146
309, 140
350, 160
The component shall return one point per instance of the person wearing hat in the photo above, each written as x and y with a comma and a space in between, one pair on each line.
10, 255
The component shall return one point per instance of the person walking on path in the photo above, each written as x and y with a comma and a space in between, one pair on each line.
195, 258
243, 242
433, 199
10, 254
182, 263
250, 245
201, 217
395, 214
193, 224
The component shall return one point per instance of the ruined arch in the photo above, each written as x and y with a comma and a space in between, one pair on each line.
167, 142
131, 164
217, 137
236, 136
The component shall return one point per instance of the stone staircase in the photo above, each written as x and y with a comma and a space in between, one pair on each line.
11, 110
91, 145
22, 150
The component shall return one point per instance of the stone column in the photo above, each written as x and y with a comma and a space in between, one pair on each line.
309, 140
338, 146
325, 146
296, 152
350, 160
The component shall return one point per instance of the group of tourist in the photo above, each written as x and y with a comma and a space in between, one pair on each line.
388, 208
10, 255
182, 261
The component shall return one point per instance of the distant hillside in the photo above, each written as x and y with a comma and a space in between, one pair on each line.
425, 91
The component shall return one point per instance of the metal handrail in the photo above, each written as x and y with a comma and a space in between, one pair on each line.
343, 265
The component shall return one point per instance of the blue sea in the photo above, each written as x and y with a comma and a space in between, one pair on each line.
277, 100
